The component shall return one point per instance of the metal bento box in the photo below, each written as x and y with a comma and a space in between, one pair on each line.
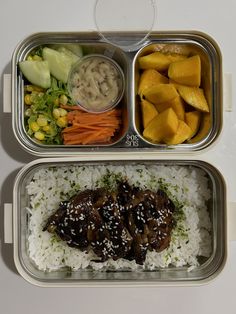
129, 134
202, 205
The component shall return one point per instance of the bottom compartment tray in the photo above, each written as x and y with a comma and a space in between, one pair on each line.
197, 249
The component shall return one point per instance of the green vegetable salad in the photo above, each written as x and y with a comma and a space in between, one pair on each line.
46, 70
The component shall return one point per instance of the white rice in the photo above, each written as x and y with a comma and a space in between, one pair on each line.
188, 186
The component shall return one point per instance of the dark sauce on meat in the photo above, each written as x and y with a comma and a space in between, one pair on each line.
121, 224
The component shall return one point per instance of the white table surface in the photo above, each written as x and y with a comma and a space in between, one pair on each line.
19, 19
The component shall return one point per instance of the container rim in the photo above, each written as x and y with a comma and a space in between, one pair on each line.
129, 283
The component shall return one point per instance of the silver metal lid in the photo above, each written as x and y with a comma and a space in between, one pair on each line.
113, 18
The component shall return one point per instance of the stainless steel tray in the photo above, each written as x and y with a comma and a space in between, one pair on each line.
208, 268
129, 137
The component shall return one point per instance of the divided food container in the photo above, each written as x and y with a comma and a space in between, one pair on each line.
129, 137
128, 147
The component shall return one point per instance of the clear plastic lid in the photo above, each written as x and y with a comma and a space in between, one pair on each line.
114, 18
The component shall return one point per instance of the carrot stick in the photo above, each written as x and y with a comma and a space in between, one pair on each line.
87, 128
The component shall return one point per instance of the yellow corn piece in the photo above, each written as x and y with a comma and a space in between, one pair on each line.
39, 135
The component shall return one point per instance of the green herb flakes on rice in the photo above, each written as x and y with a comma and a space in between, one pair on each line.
186, 186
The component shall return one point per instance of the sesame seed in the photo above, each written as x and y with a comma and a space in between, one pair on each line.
118, 225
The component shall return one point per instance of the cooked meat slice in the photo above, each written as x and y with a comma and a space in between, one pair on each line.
112, 238
71, 220
54, 220
122, 224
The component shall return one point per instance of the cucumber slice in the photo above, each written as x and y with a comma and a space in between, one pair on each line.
36, 72
59, 63
76, 49
68, 53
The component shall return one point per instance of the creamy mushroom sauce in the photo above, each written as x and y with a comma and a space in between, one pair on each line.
96, 84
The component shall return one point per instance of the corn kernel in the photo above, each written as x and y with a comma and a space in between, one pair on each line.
56, 113
62, 111
42, 121
27, 99
46, 128
62, 122
63, 99
34, 126
33, 96
33, 88
29, 88
38, 88
56, 102
39, 135
28, 112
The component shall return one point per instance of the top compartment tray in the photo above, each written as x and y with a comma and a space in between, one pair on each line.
130, 135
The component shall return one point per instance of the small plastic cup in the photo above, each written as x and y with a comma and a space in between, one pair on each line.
96, 83
116, 18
